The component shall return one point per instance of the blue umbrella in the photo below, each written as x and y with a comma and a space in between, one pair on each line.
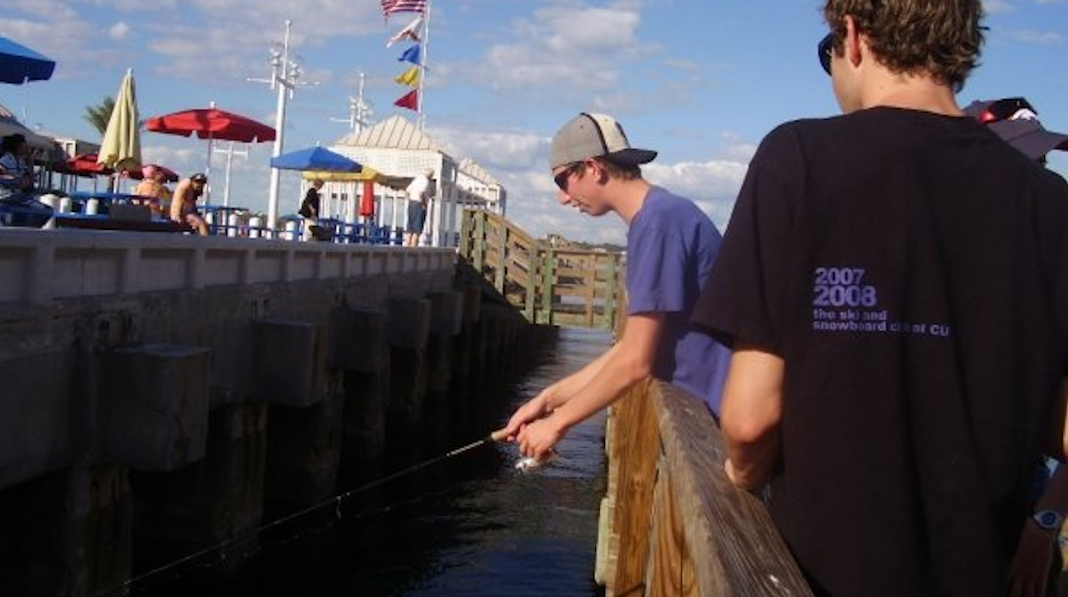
315, 158
19, 64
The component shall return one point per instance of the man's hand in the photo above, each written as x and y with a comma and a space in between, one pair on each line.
538, 438
534, 409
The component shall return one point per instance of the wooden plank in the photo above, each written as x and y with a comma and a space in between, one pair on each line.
671, 570
637, 472
728, 531
589, 282
531, 283
546, 289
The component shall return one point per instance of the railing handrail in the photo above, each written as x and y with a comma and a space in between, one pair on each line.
537, 277
674, 524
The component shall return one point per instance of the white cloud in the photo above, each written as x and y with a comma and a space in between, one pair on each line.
564, 50
119, 31
998, 6
1045, 38
494, 150
713, 184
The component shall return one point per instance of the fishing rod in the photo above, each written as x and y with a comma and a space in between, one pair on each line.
524, 465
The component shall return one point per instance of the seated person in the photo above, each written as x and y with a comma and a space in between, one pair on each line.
184, 203
151, 187
14, 172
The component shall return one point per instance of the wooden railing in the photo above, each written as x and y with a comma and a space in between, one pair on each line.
671, 522
550, 285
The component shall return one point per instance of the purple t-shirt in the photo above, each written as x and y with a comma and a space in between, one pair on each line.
671, 245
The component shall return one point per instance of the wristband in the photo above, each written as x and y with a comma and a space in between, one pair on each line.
1050, 520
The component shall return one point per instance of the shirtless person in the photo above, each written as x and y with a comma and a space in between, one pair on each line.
184, 203
152, 189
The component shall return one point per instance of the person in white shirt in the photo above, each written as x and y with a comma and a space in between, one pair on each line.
420, 191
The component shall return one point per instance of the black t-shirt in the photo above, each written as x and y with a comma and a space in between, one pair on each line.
912, 271
309, 208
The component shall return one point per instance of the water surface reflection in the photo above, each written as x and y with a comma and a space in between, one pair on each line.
467, 526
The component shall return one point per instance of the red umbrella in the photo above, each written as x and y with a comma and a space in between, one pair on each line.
168, 174
211, 123
84, 164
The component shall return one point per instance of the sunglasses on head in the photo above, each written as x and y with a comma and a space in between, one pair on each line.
563, 177
824, 50
1005, 109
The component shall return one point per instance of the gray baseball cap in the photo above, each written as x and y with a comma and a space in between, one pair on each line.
594, 136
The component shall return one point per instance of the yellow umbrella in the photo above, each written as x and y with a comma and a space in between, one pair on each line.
121, 147
364, 175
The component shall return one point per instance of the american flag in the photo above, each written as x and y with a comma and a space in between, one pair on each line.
391, 6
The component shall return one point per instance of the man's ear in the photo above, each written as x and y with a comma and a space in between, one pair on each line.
853, 42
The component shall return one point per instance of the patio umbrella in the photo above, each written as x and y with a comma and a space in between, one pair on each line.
121, 147
85, 164
211, 124
168, 174
19, 64
315, 158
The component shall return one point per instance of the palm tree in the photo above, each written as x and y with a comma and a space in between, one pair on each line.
99, 114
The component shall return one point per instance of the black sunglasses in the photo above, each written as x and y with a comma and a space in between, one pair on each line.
563, 177
824, 49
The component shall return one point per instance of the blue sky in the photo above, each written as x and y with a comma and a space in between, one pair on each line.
700, 81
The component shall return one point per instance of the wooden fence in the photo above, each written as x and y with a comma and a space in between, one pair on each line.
672, 524
550, 285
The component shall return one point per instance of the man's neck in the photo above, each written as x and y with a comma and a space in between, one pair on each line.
628, 196
911, 92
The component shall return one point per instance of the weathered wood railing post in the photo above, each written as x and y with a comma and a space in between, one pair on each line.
548, 277
611, 290
501, 248
479, 241
467, 220
531, 289
680, 527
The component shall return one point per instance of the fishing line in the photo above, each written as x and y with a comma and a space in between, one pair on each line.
335, 500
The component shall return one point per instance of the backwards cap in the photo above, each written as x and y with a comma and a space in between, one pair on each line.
1020, 128
594, 136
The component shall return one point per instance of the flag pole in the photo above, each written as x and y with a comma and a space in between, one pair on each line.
420, 95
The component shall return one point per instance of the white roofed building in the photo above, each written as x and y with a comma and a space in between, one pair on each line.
480, 190
399, 151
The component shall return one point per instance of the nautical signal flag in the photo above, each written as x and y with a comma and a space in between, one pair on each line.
409, 32
410, 55
391, 6
409, 100
409, 77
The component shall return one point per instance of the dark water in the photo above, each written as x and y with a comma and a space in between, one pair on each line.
470, 525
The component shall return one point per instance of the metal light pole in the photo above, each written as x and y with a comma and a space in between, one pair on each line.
284, 76
359, 111
230, 152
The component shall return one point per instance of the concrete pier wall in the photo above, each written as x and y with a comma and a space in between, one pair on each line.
164, 388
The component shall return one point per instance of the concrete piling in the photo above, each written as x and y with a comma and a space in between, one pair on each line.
446, 322
362, 350
153, 406
285, 367
409, 331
